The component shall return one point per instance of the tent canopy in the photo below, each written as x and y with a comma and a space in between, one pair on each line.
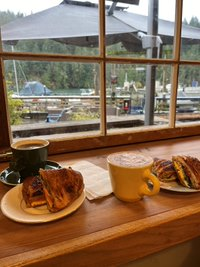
76, 23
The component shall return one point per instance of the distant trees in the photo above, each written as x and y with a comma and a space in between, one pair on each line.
193, 22
7, 16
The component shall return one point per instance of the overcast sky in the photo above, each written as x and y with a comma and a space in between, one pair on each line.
166, 7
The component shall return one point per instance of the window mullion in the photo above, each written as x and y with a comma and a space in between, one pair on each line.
5, 136
102, 37
176, 55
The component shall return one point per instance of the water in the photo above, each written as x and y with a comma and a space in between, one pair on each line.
73, 91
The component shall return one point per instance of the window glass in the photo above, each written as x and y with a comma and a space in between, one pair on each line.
52, 98
188, 98
190, 49
144, 30
74, 70
133, 90
52, 27
49, 46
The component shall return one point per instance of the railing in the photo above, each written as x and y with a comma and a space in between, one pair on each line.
183, 103
192, 98
45, 103
69, 97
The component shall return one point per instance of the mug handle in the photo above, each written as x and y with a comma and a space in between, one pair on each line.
145, 189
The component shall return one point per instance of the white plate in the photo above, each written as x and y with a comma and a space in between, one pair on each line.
174, 186
13, 206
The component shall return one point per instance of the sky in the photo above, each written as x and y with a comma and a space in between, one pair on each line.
166, 7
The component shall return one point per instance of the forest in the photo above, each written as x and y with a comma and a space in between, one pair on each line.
62, 76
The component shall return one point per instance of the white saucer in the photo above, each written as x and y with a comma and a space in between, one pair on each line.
13, 178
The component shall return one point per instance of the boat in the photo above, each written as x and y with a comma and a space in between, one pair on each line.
35, 88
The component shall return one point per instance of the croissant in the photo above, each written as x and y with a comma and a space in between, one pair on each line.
61, 187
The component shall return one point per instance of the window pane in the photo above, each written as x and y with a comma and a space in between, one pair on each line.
190, 48
52, 98
144, 30
59, 95
63, 28
130, 89
188, 99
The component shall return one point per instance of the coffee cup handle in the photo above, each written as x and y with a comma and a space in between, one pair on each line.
146, 189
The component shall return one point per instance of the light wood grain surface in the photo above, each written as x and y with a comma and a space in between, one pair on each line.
106, 232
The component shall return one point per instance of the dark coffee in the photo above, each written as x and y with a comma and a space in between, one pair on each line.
29, 146
29, 156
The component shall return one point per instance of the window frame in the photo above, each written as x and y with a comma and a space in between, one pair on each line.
105, 139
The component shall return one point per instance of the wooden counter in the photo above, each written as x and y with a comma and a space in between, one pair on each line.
106, 232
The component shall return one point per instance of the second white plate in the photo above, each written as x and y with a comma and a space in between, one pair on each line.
174, 186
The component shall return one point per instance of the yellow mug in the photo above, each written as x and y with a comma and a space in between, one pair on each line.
131, 177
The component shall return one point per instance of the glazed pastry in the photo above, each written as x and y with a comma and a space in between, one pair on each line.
61, 187
164, 170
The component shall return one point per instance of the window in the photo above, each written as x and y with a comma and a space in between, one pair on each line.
100, 73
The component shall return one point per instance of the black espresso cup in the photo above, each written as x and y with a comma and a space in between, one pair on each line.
29, 156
